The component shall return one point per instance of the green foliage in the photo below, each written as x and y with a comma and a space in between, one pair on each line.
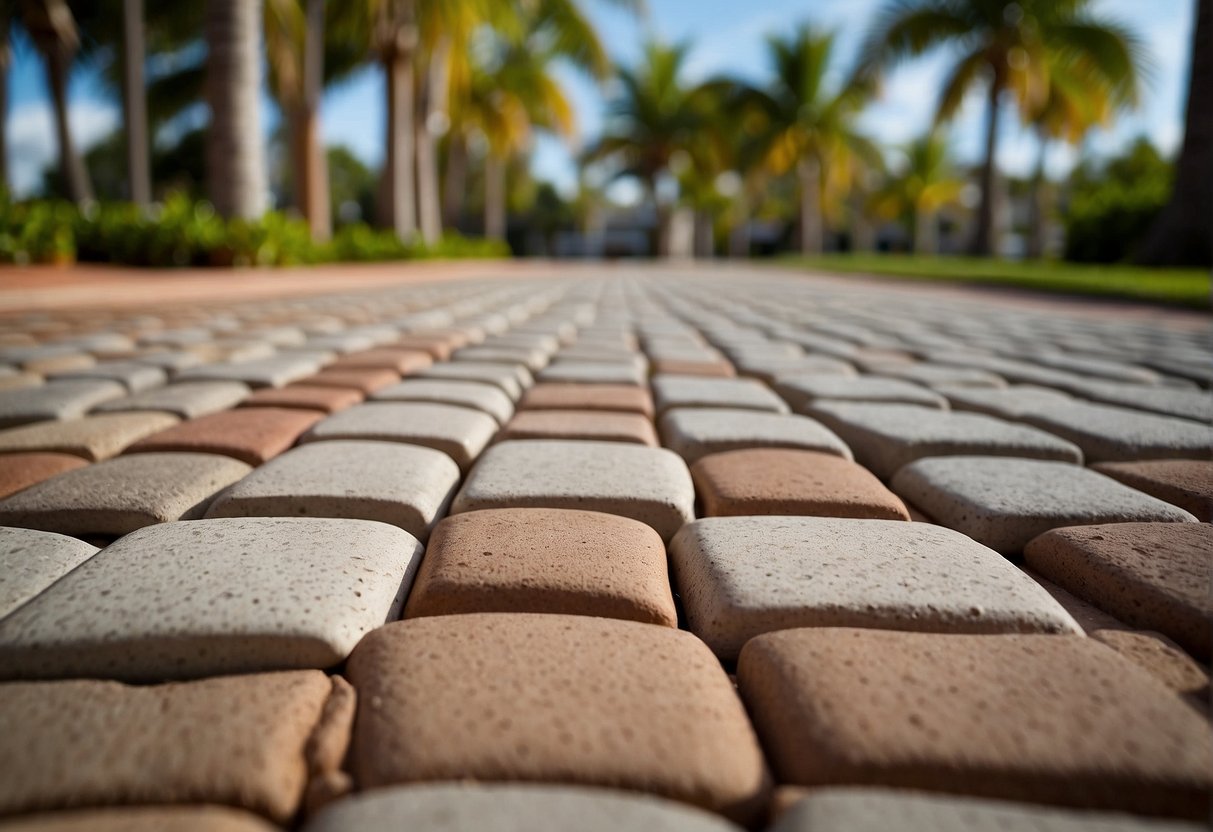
1112, 209
182, 232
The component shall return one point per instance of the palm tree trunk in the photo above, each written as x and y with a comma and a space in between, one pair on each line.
494, 197
739, 233
983, 244
235, 159
1037, 206
134, 105
311, 166
1183, 232
455, 181
6, 58
704, 245
926, 232
431, 113
79, 187
808, 170
398, 193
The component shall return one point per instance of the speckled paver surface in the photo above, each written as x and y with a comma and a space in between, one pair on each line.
534, 547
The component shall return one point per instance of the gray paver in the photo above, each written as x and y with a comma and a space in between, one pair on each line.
488, 398
694, 391
30, 561
186, 400
801, 391
276, 371
693, 433
58, 401
1116, 434
134, 376
185, 600
459, 432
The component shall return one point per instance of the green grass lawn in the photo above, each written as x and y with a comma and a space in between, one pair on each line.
1182, 287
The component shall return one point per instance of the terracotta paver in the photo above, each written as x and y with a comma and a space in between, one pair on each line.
450, 807
123, 494
651, 485
581, 424
20, 471
249, 434
459, 432
739, 577
791, 482
439, 346
185, 401
55, 401
401, 361
487, 398
404, 485
556, 699
365, 381
93, 438
886, 437
14, 380
546, 561
143, 819
625, 398
301, 396
30, 561
731, 393
716, 368
1004, 503
1038, 718
695, 432
870, 808
1187, 483
240, 595
1156, 576
239, 741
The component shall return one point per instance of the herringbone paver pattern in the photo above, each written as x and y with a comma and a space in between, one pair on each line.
621, 551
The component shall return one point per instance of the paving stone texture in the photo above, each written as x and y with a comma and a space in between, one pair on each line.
955, 548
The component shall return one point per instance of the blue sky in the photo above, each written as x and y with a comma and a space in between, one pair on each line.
726, 37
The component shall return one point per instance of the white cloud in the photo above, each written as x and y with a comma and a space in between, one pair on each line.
32, 144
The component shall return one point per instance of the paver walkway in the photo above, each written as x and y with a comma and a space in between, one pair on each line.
503, 546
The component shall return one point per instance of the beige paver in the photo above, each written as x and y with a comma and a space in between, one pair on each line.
592, 372
249, 434
791, 482
275, 371
239, 595
512, 379
301, 396
695, 432
187, 400
555, 699
30, 561
713, 368
739, 577
487, 398
1004, 503
885, 437
533, 358
593, 425
136, 377
1187, 483
93, 438
365, 381
860, 809
404, 485
20, 471
120, 495
732, 393
545, 561
462, 807
1037, 718
459, 432
142, 819
651, 485
627, 398
804, 390
1156, 576
238, 741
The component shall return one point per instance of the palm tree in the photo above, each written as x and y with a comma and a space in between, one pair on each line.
1181, 234
1005, 44
812, 127
394, 37
52, 27
134, 105
929, 182
6, 58
651, 121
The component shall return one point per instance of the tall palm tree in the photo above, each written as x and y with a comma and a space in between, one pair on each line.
1005, 45
652, 120
928, 183
394, 39
134, 104
6, 59
812, 127
52, 27
1182, 235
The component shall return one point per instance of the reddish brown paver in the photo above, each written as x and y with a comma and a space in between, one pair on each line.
1039, 718
251, 434
438, 346
720, 368
20, 471
305, 397
556, 699
1157, 576
1187, 483
239, 741
399, 361
611, 397
93, 438
581, 424
365, 381
142, 819
777, 481
545, 561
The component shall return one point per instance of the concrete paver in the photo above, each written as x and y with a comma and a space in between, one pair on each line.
730, 393
20, 471
30, 561
592, 425
1187, 483
487, 398
459, 432
142, 819
627, 398
301, 396
695, 432
187, 400
60, 400
93, 438
252, 434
